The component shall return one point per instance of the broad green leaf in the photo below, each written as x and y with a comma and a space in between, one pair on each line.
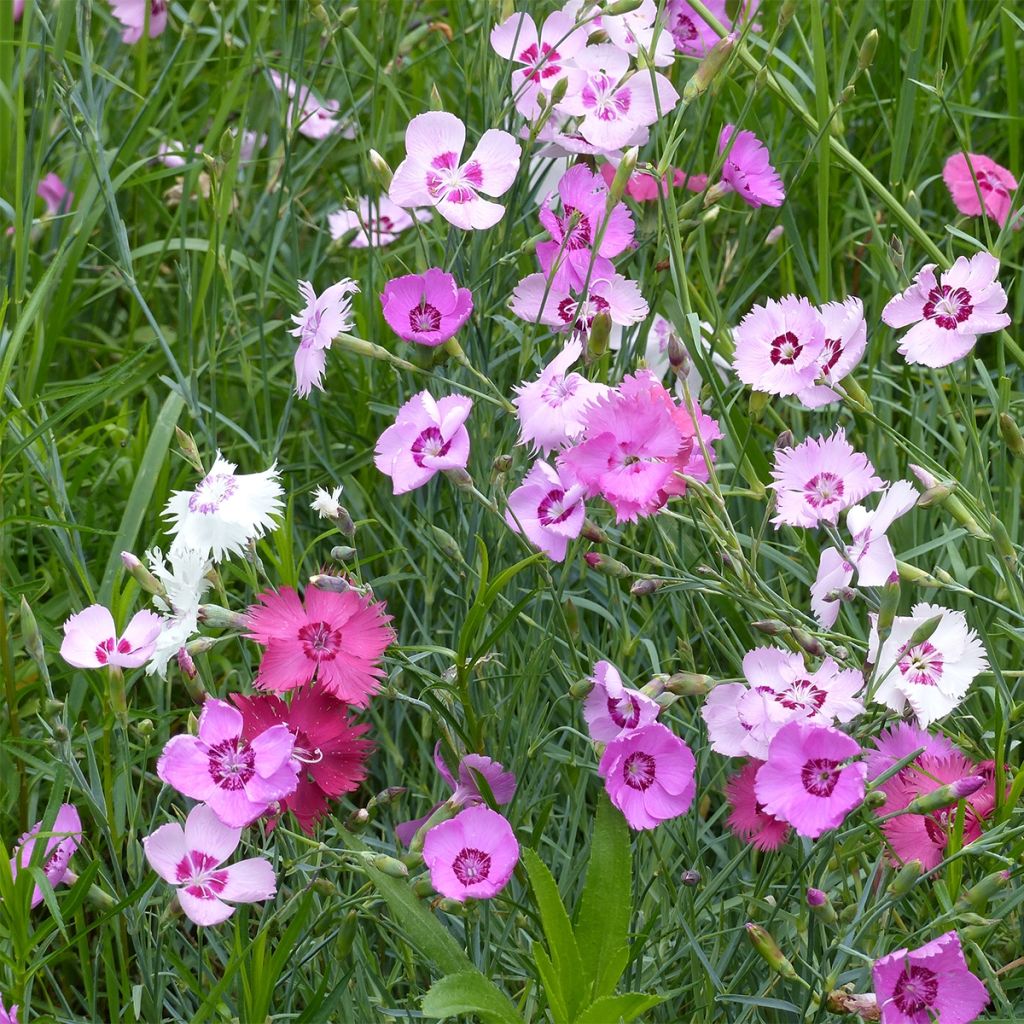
469, 992
613, 1009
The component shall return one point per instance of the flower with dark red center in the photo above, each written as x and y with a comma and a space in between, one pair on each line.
612, 708
547, 507
471, 855
993, 194
91, 639
61, 842
427, 308
779, 346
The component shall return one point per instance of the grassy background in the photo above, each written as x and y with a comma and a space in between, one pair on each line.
134, 314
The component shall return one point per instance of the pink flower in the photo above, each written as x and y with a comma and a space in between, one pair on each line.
748, 819
175, 154
61, 843
643, 185
55, 194
471, 855
313, 118
552, 408
826, 694
538, 299
542, 59
899, 740
132, 14
11, 1016
741, 722
949, 315
322, 319
376, 222
640, 30
779, 346
815, 481
690, 32
747, 169
846, 339
190, 858
932, 982
612, 110
428, 308
993, 193
339, 638
426, 437
431, 174
237, 777
328, 746
612, 709
649, 775
548, 508
91, 640
804, 780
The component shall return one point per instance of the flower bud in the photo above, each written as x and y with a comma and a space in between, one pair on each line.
608, 566
358, 820
896, 254
381, 171
221, 618
186, 664
945, 795
874, 799
30, 634
979, 895
422, 888
905, 878
622, 7
770, 627
459, 478
332, 584
572, 616
144, 727
447, 544
708, 68
821, 906
1003, 544
643, 588
774, 235
559, 91
786, 13
190, 450
867, 50
1011, 434
385, 797
501, 465
769, 950
580, 690
811, 644
924, 631
691, 878
627, 165
435, 98
600, 334
145, 579
687, 684
593, 533
343, 553
856, 396
346, 932
389, 866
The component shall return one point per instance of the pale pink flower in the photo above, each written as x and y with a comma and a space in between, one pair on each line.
640, 30
471, 855
690, 32
990, 189
132, 14
539, 299
55, 194
815, 481
740, 721
426, 437
320, 321
61, 842
747, 169
748, 819
174, 154
376, 222
950, 314
190, 859
548, 507
846, 339
779, 346
612, 708
427, 308
91, 640
825, 695
432, 175
563, 141
314, 118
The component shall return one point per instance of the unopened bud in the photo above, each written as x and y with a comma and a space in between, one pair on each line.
190, 450
945, 795
867, 50
381, 171
222, 618
688, 684
501, 465
142, 575
600, 335
144, 727
888, 605
905, 878
622, 175
913, 204
677, 354
811, 644
856, 396
821, 906
385, 797
561, 87
786, 13
770, 627
358, 820
580, 690
186, 664
1003, 544
785, 440
934, 495
346, 932
774, 235
769, 950
572, 616
643, 588
30, 634
447, 544
691, 878
708, 68
343, 553
1011, 434
924, 631
459, 478
332, 584
593, 533
435, 98
896, 253
622, 7
608, 566
874, 799
390, 866
979, 895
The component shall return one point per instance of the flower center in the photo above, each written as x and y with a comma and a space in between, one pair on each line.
990, 183
195, 871
582, 314
922, 664
802, 695
823, 489
560, 389
424, 318
579, 235
638, 770
936, 829
820, 776
553, 508
916, 989
786, 349
320, 641
106, 647
471, 866
604, 101
212, 492
832, 351
539, 64
447, 180
948, 307
429, 445
625, 713
232, 763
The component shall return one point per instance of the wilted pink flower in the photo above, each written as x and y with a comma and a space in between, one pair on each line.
649, 775
426, 437
431, 174
314, 118
132, 14
612, 709
748, 819
948, 316
640, 30
190, 859
846, 338
551, 301
804, 780
471, 855
55, 194
338, 638
779, 346
61, 843
815, 481
328, 746
747, 169
643, 185
91, 640
428, 308
548, 507
930, 983
237, 777
690, 32
376, 222
322, 319
993, 193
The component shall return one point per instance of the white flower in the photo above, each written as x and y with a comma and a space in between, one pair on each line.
185, 581
932, 676
226, 510
325, 503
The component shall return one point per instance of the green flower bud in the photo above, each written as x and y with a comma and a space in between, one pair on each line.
769, 950
905, 878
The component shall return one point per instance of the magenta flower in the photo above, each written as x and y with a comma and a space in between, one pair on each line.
643, 185
747, 169
428, 308
992, 194
649, 775
748, 820
613, 709
779, 346
314, 118
691, 34
548, 507
132, 14
376, 222
471, 855
322, 319
426, 437
948, 316
538, 299
431, 173
815, 481
339, 638
190, 858
328, 746
10, 1016
239, 779
61, 843
931, 983
846, 339
55, 194
91, 640
804, 780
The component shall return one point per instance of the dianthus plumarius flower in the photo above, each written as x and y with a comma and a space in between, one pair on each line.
325, 502
988, 190
376, 222
748, 819
548, 508
846, 339
427, 436
691, 34
947, 316
818, 479
55, 194
552, 301
226, 510
899, 741
471, 855
644, 186
239, 778
640, 30
91, 639
184, 575
8, 1015
432, 173
322, 319
192, 860
778, 346
748, 170
613, 709
931, 983
61, 842
314, 118
427, 308
132, 14
649, 775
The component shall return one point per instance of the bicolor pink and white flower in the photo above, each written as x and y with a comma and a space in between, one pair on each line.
748, 819
61, 842
376, 222
191, 860
184, 574
55, 194
691, 34
612, 708
315, 118
320, 321
91, 639
427, 308
132, 14
471, 855
747, 169
846, 340
432, 173
990, 189
779, 346
640, 30
548, 508
552, 301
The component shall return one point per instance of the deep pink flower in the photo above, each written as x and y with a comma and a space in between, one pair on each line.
314, 118
328, 746
548, 507
237, 777
747, 169
471, 855
55, 194
426, 437
804, 780
91, 640
339, 638
132, 14
643, 185
815, 481
932, 983
748, 819
376, 222
61, 843
190, 859
613, 709
779, 346
428, 308
690, 32
322, 319
10, 1016
993, 193
950, 314
846, 339
540, 299
431, 173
